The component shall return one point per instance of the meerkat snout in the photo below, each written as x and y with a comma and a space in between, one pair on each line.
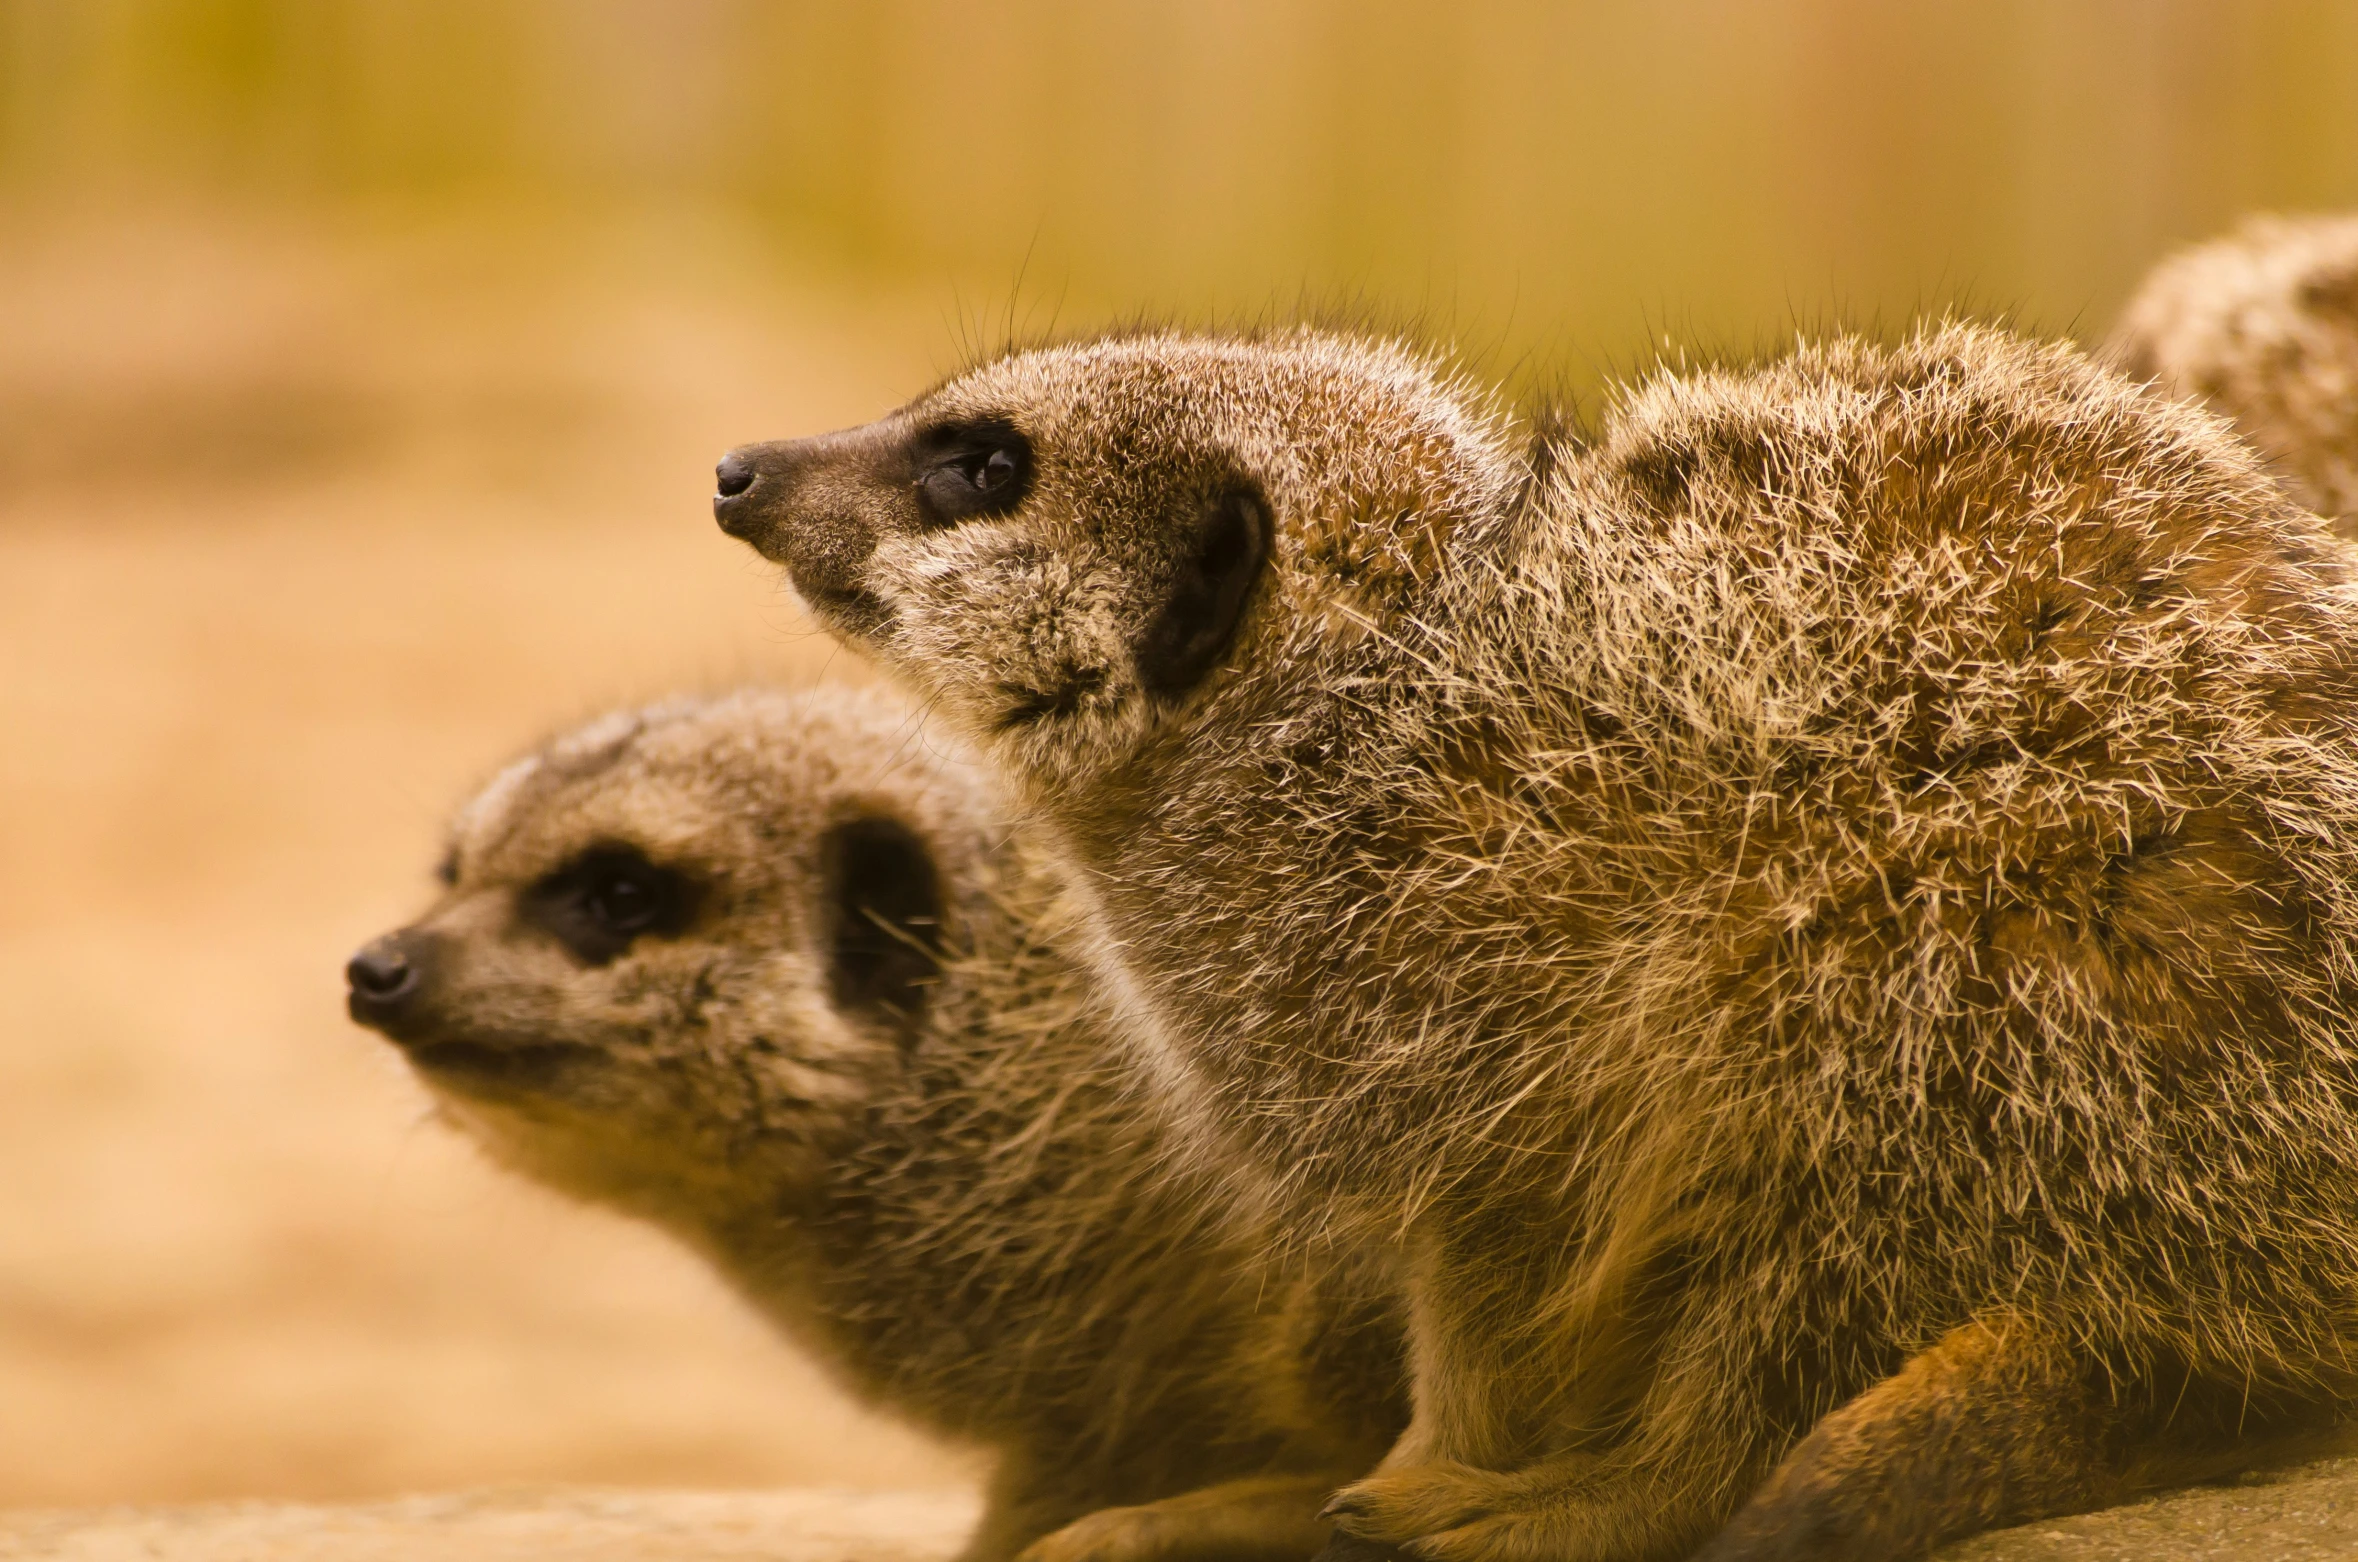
383, 977
821, 505
730, 478
734, 506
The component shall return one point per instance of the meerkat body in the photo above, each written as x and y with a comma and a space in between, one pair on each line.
2263, 325
1823, 929
762, 971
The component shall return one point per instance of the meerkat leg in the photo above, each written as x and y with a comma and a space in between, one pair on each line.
1272, 1518
1576, 1507
1636, 1471
1999, 1423
1964, 1438
1654, 1496
1994, 1425
1020, 1505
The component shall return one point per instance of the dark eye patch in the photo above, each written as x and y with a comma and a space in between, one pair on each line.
606, 899
1205, 599
970, 469
883, 920
446, 870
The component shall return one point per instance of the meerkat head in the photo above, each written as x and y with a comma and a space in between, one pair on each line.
1061, 546
681, 937
2263, 325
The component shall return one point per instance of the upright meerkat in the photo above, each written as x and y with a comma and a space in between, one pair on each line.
2263, 324
1823, 927
762, 971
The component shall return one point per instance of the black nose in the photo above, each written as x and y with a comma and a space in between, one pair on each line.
732, 480
384, 978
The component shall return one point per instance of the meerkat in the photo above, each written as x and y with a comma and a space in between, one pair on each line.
1820, 928
764, 971
2263, 325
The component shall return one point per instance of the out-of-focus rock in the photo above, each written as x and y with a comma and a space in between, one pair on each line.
2309, 1514
526, 1524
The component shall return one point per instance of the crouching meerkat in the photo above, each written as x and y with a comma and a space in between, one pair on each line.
760, 970
2263, 325
1822, 929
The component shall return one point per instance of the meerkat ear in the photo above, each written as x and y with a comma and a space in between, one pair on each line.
1222, 557
2333, 292
883, 921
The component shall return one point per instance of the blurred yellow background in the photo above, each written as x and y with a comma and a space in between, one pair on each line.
362, 363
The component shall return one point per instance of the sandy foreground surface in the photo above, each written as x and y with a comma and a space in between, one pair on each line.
2308, 1515
517, 1525
303, 530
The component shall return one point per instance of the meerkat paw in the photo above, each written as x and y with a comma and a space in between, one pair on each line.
1258, 1519
1408, 1504
1501, 1537
1567, 1509
1108, 1535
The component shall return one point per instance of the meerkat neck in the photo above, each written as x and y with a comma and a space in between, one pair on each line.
926, 1261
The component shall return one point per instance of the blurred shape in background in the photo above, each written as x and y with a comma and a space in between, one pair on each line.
362, 363
1566, 175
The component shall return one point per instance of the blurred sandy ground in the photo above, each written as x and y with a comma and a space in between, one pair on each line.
306, 528
362, 364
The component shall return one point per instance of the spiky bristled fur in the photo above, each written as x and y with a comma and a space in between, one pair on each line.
1834, 908
838, 1052
2263, 324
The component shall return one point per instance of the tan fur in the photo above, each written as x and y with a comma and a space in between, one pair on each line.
952, 1203
1868, 851
2263, 325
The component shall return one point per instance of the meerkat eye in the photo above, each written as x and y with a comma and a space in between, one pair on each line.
621, 902
604, 900
976, 469
990, 472
446, 872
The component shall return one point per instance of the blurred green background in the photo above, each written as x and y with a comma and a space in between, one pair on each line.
1570, 180
362, 365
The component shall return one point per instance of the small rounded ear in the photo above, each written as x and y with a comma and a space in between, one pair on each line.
2333, 292
1221, 558
883, 921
